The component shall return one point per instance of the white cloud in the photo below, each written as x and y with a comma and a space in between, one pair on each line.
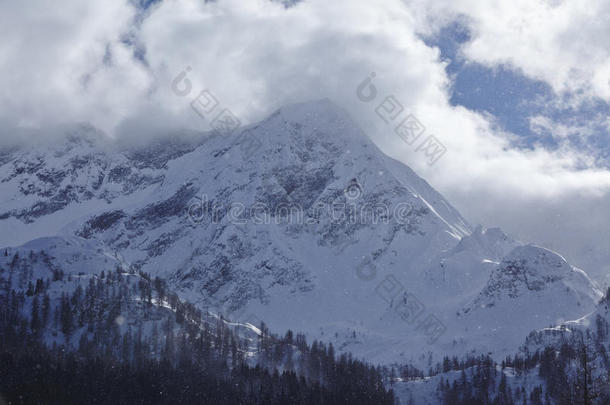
67, 62
541, 125
255, 56
564, 43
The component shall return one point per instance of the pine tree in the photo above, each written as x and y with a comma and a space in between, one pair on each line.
66, 316
155, 339
35, 318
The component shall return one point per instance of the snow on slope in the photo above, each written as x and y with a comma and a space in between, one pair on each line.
299, 221
532, 286
594, 326
562, 342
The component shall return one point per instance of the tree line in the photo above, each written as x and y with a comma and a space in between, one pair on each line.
124, 337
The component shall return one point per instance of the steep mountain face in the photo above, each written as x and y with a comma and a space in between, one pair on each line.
530, 269
60, 180
535, 285
299, 221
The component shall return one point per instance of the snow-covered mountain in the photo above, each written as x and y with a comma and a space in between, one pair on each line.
300, 221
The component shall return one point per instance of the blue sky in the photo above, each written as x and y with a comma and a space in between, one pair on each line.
513, 99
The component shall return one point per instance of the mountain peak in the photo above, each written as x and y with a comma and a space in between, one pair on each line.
528, 271
323, 116
322, 109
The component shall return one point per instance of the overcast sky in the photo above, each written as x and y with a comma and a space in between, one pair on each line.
517, 91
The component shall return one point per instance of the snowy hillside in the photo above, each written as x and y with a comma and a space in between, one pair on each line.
81, 338
564, 364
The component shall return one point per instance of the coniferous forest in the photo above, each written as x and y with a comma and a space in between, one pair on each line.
124, 338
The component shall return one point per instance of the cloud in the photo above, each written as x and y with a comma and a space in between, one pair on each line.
561, 42
68, 62
540, 124
256, 56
